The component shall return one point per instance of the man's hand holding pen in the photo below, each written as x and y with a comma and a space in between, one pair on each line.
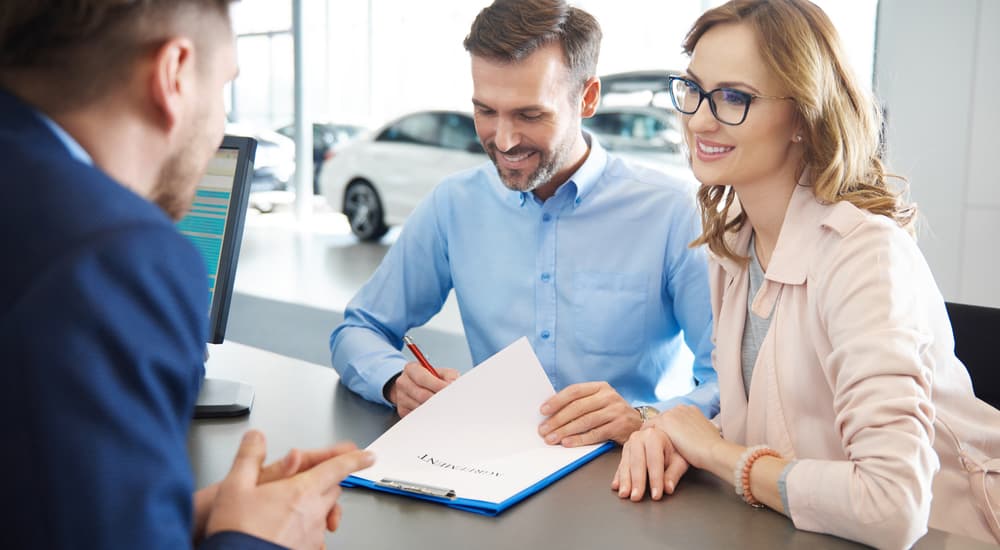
418, 382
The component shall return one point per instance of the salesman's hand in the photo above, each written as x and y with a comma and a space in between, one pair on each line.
293, 512
416, 385
648, 450
295, 461
586, 413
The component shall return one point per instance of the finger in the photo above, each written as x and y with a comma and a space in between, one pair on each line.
568, 395
405, 404
333, 518
407, 388
449, 375
617, 425
600, 433
329, 499
588, 425
289, 465
655, 451
676, 468
299, 461
567, 414
312, 457
423, 378
637, 473
624, 481
249, 458
327, 475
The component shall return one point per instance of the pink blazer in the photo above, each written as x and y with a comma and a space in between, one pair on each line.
853, 379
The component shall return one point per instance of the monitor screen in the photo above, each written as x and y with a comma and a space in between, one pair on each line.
215, 223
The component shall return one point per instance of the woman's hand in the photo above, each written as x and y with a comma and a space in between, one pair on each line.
692, 435
648, 455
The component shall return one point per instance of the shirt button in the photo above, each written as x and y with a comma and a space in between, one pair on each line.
546, 217
546, 277
545, 335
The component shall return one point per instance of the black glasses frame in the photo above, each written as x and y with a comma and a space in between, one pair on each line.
702, 95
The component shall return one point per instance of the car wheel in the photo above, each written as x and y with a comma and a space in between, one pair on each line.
363, 209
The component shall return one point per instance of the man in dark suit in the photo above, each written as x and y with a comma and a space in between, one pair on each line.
109, 113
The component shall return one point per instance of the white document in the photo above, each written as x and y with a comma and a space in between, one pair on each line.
479, 436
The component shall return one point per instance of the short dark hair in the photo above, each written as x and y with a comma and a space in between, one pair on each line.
511, 30
88, 45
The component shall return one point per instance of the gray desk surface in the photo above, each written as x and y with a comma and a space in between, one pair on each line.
299, 404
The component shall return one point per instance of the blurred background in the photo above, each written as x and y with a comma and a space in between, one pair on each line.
385, 92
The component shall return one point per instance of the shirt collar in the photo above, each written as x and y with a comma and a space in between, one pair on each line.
806, 220
73, 146
589, 173
584, 179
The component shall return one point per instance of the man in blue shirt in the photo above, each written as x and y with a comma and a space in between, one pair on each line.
555, 240
109, 114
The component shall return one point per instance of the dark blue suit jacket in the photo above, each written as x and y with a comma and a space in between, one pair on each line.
103, 318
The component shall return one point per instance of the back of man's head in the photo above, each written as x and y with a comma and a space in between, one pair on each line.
510, 30
68, 53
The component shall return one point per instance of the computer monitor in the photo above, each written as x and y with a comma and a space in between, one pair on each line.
215, 226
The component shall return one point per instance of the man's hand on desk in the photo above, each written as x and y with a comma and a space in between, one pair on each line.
587, 413
292, 502
648, 454
292, 463
415, 385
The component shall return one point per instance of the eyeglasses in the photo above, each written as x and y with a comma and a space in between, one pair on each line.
729, 105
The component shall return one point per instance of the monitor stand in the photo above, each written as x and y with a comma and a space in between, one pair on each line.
220, 398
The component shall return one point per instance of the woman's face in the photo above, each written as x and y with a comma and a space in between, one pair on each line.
765, 148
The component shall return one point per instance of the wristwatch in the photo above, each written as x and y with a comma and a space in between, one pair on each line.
646, 412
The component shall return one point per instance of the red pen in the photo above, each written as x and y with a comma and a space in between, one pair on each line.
420, 356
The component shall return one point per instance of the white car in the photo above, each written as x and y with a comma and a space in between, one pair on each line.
637, 128
273, 165
644, 135
377, 180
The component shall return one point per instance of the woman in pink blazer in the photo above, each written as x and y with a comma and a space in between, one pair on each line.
843, 404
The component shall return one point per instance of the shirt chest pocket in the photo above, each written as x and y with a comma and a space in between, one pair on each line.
609, 312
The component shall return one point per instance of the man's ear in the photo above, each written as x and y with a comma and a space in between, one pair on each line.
591, 97
171, 80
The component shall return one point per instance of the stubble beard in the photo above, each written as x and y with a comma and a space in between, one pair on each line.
178, 179
548, 165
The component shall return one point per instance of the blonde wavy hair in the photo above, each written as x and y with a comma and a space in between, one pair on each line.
841, 122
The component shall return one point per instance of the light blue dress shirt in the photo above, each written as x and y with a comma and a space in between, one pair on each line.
73, 146
599, 277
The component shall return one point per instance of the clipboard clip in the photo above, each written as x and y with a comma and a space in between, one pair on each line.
418, 488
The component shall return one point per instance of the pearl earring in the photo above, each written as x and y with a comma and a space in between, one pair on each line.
797, 138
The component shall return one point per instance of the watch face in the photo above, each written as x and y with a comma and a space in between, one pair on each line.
647, 412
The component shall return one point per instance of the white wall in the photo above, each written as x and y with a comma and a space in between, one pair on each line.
937, 72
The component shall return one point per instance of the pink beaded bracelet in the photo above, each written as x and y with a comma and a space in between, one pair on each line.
741, 473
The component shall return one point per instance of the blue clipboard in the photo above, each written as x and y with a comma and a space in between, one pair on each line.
452, 500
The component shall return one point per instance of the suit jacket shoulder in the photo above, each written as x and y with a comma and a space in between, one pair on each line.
103, 314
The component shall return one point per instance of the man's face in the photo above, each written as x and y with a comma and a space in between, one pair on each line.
528, 117
202, 127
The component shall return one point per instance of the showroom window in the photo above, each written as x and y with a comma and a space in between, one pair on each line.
368, 62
